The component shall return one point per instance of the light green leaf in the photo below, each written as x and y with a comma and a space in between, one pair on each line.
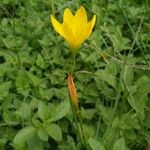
42, 134
35, 143
22, 82
128, 75
61, 110
40, 61
25, 111
88, 113
107, 77
43, 110
95, 144
4, 89
35, 80
139, 98
106, 113
54, 131
23, 136
119, 144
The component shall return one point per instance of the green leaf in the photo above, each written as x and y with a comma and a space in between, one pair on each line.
54, 131
25, 111
42, 134
35, 80
107, 77
35, 143
106, 113
139, 98
91, 90
95, 145
4, 22
89, 130
22, 82
128, 75
23, 136
88, 113
130, 120
40, 61
4, 89
119, 144
43, 110
61, 111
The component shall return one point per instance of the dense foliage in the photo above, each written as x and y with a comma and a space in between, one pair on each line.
112, 76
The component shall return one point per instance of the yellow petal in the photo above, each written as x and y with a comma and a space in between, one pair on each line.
81, 16
68, 16
57, 26
69, 34
93, 21
86, 31
90, 27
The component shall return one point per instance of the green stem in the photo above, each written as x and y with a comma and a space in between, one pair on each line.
81, 127
53, 6
76, 122
74, 63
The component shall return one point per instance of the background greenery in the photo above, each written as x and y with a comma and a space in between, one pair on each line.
112, 76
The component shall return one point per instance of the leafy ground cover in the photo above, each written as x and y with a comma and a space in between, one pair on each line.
112, 77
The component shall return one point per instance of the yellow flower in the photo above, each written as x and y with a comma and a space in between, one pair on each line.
75, 28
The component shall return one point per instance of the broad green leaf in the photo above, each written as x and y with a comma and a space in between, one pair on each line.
43, 135
95, 144
130, 135
91, 90
46, 94
61, 111
106, 113
147, 120
128, 75
40, 61
22, 82
4, 22
107, 77
119, 144
88, 113
89, 130
130, 120
43, 110
54, 131
35, 80
23, 136
110, 136
138, 99
35, 143
25, 111
4, 89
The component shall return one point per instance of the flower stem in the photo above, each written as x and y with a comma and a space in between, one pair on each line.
74, 110
74, 63
81, 126
52, 6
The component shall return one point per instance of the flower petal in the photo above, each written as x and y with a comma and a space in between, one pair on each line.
90, 26
86, 31
93, 21
68, 16
69, 34
81, 16
57, 26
